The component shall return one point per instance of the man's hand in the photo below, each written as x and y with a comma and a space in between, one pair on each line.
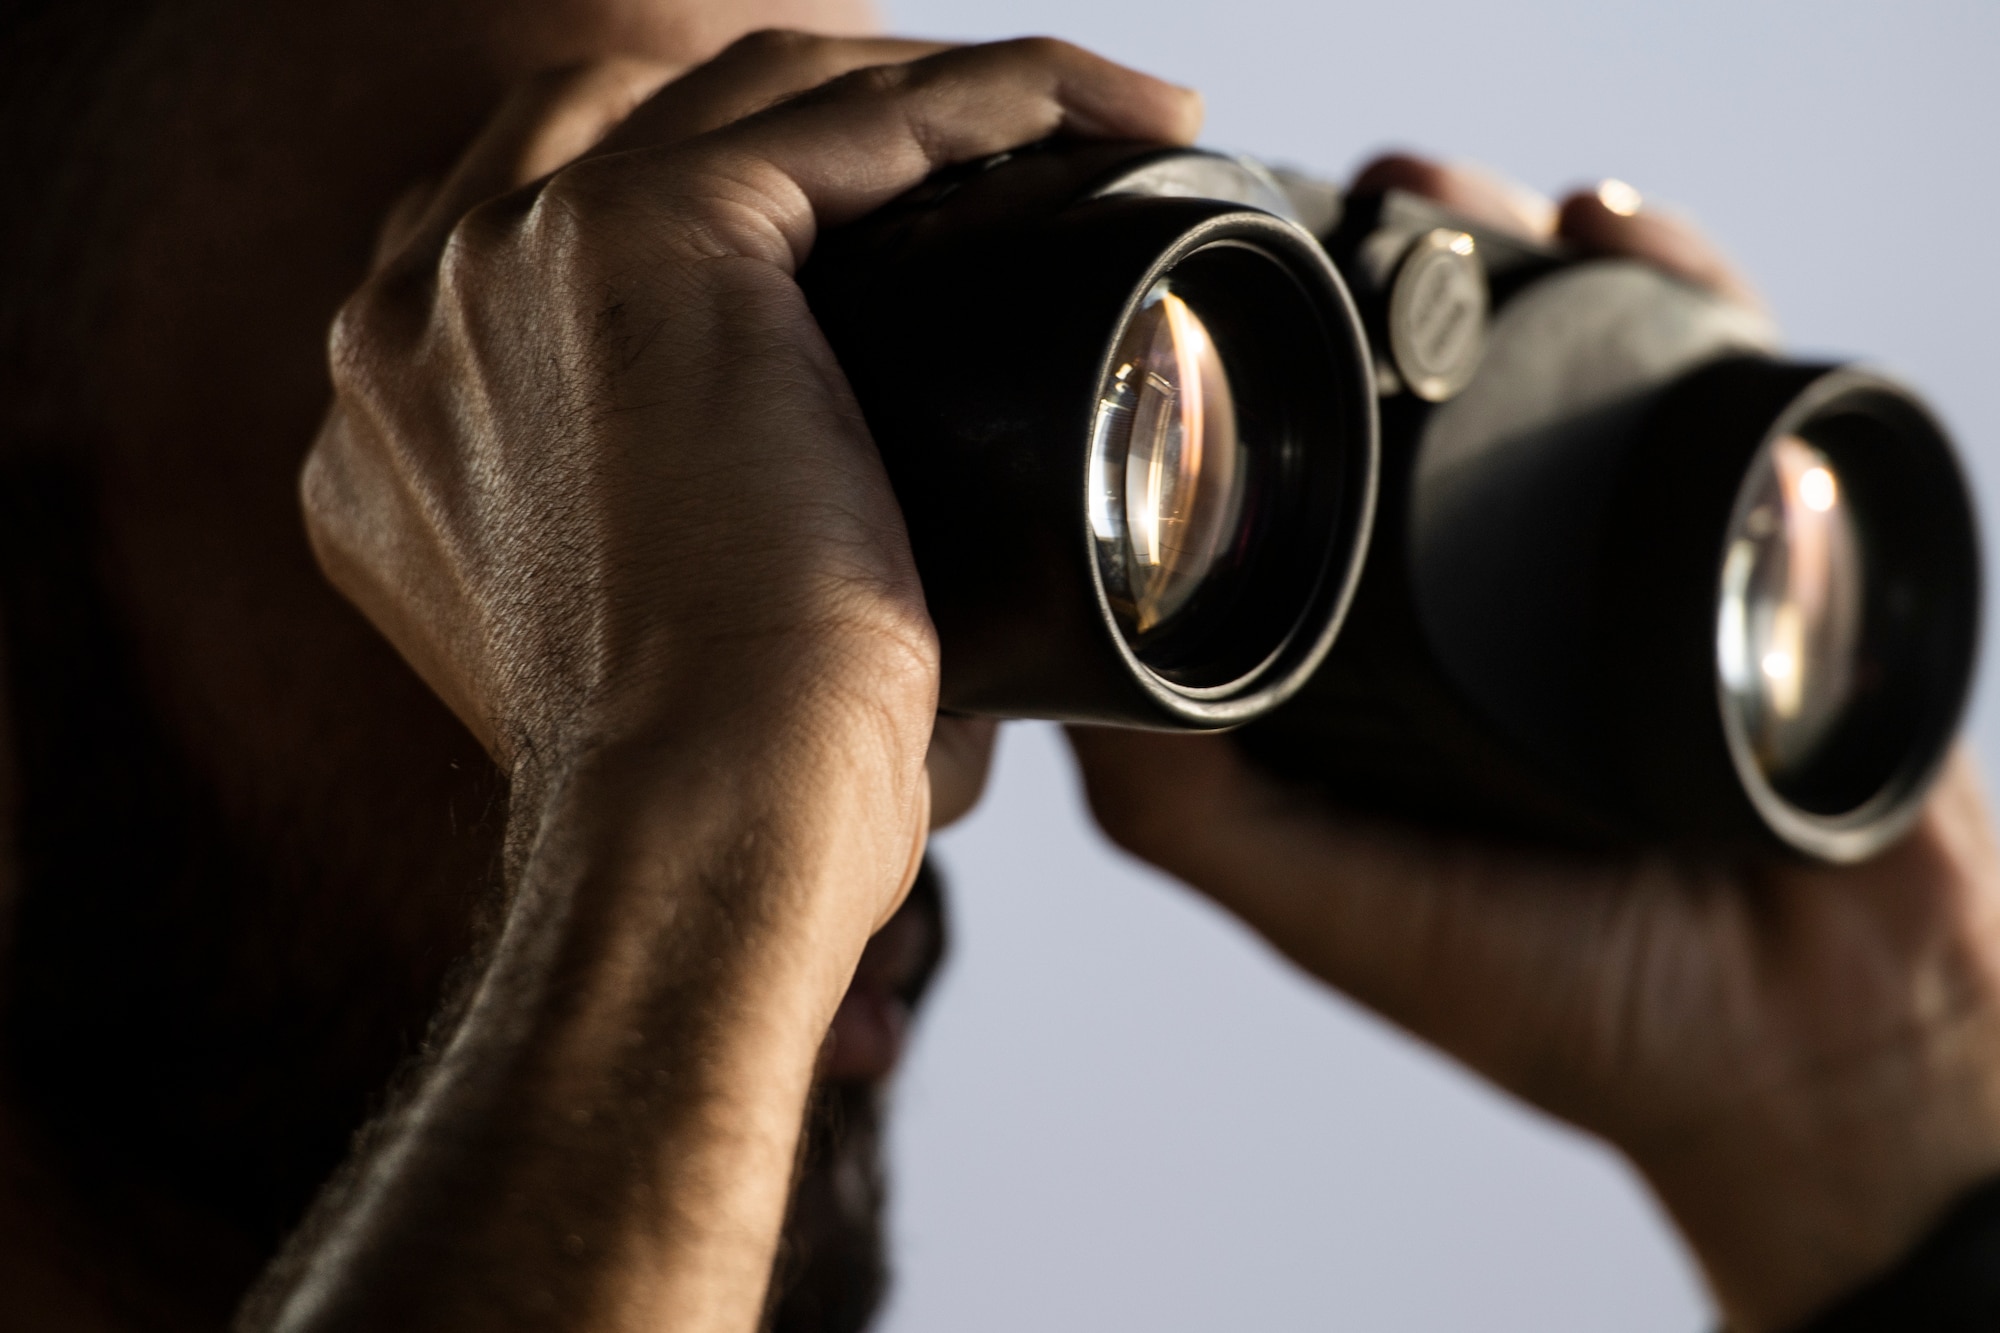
1805, 1062
590, 457
594, 472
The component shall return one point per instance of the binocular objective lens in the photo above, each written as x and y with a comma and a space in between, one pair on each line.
1166, 462
1789, 635
1229, 467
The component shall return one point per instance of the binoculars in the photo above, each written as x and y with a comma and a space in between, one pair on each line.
1452, 525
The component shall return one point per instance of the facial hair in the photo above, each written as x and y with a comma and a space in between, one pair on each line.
832, 1271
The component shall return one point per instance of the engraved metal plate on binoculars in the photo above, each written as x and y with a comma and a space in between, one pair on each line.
1631, 576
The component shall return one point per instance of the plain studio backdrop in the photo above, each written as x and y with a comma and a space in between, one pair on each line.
1123, 1113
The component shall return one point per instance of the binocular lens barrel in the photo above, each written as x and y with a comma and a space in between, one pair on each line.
1846, 607
1211, 491
1150, 503
1634, 579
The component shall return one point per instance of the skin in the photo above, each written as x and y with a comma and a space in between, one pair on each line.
710, 675
1803, 1061
308, 828
600, 598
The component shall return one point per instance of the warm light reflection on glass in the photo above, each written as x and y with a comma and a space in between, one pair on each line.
1790, 605
1165, 466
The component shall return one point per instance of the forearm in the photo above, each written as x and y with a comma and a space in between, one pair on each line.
606, 1136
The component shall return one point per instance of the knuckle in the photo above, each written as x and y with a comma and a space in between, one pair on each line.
584, 191
871, 81
333, 511
471, 258
1397, 170
458, 262
1041, 50
319, 492
571, 214
356, 339
488, 229
712, 204
773, 45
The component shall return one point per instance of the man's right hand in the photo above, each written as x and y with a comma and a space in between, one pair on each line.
594, 472
591, 466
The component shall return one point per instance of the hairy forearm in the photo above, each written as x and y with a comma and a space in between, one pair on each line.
606, 1136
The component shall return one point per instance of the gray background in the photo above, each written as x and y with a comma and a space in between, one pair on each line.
1122, 1112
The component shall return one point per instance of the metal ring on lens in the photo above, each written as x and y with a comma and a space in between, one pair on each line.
1231, 470
1847, 616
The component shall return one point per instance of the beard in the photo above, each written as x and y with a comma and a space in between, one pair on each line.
832, 1270
181, 1020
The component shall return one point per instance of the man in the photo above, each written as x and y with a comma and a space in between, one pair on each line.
570, 750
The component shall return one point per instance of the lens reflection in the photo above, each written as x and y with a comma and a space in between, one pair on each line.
1166, 463
1790, 626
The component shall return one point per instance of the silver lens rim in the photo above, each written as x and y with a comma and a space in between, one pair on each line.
1854, 834
1287, 667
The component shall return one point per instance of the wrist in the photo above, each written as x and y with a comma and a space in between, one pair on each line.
723, 884
625, 1083
1859, 1095
1950, 1281
807, 799
1841, 1183
1831, 1173
799, 694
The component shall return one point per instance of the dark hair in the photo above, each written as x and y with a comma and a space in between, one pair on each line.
75, 76
833, 1267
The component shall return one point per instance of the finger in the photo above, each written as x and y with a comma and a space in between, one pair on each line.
754, 73
400, 224
844, 149
960, 757
555, 117
1614, 220
1477, 195
548, 120
1417, 925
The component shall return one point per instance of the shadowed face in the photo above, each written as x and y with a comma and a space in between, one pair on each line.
252, 845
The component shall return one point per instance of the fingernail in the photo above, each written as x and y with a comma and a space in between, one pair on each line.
1538, 211
1195, 111
1619, 198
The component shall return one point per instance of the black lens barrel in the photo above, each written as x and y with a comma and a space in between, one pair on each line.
974, 321
1534, 648
1565, 444
1684, 762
